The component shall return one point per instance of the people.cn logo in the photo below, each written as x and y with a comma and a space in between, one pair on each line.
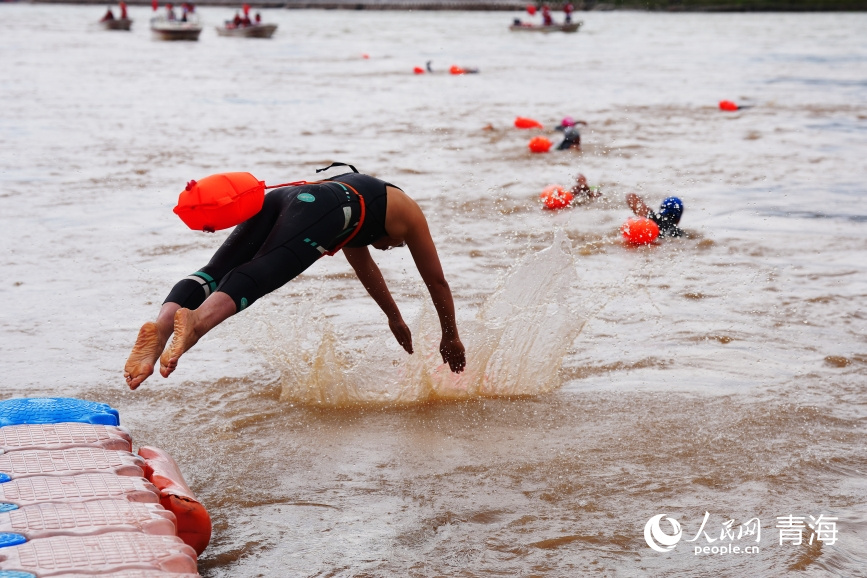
659, 540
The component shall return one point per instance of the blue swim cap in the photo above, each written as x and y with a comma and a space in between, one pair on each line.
671, 209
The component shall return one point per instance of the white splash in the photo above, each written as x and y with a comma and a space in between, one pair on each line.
515, 346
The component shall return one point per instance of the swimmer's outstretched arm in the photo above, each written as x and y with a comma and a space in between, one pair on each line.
371, 277
637, 205
405, 220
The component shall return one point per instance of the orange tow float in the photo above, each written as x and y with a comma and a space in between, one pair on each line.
525, 123
220, 201
639, 231
539, 144
555, 197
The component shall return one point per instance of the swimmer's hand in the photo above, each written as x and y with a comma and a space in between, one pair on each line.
401, 333
453, 353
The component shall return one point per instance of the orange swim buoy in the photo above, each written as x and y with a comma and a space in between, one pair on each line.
524, 123
455, 69
639, 230
539, 144
220, 201
555, 197
194, 522
418, 70
727, 105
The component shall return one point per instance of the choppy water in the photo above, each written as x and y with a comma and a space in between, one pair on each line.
723, 373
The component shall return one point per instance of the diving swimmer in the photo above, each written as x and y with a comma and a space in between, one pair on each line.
295, 227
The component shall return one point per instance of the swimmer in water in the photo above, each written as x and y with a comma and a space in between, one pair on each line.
571, 133
294, 228
668, 217
582, 189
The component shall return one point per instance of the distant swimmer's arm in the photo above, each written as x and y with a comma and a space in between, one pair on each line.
637, 205
371, 277
413, 228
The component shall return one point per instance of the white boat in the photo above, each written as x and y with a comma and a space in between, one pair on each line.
166, 29
565, 27
249, 31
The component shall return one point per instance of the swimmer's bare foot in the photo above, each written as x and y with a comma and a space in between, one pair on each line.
183, 339
140, 364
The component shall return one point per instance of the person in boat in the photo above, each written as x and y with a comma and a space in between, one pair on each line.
245, 20
123, 13
170, 12
237, 19
567, 10
258, 18
547, 19
666, 219
294, 228
109, 15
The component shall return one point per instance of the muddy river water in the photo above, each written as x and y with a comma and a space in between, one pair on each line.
719, 380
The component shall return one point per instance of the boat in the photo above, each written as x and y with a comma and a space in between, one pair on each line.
116, 24
250, 31
565, 27
166, 29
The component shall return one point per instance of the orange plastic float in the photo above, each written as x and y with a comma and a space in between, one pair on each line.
455, 69
531, 9
194, 523
525, 123
639, 230
539, 144
555, 197
728, 105
418, 70
220, 201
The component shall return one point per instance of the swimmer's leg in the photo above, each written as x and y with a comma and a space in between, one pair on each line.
190, 325
149, 344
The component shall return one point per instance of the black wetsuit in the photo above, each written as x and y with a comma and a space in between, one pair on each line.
571, 138
294, 228
666, 227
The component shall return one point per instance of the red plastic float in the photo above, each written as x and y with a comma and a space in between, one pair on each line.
220, 201
531, 9
555, 197
525, 123
455, 69
539, 144
418, 70
728, 105
194, 523
639, 230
